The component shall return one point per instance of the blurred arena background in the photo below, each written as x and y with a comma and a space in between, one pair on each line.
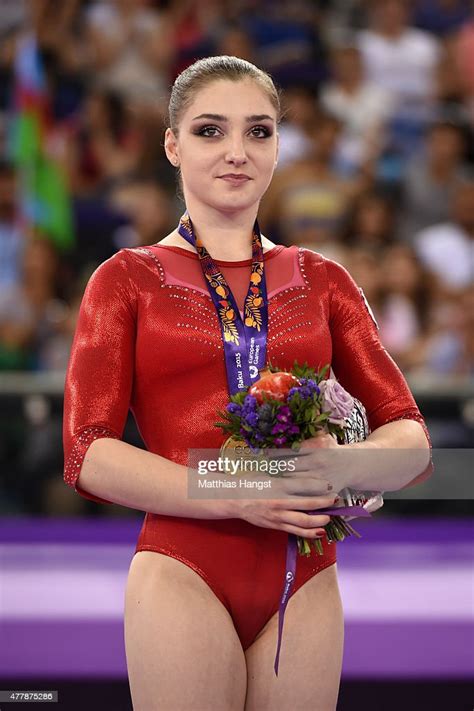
376, 171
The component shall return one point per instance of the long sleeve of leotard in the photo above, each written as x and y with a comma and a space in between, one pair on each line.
99, 375
360, 361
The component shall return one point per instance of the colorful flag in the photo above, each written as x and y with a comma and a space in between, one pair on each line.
45, 202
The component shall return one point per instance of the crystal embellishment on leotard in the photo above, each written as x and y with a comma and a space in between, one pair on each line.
149, 253
83, 440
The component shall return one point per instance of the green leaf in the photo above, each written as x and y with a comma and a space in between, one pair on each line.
322, 372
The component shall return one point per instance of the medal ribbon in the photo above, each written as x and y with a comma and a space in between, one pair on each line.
290, 566
245, 342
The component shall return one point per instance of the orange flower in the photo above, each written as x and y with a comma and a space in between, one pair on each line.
257, 301
249, 321
255, 278
229, 314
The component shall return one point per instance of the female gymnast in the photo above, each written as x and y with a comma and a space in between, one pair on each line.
203, 590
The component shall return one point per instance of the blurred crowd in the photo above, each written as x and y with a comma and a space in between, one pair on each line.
375, 171
376, 167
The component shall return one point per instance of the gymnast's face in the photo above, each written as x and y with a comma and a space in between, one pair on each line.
227, 146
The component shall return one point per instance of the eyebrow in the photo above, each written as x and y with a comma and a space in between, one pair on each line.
220, 117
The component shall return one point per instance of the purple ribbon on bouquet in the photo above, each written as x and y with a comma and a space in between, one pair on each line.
290, 572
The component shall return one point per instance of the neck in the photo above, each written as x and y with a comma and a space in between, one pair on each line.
225, 235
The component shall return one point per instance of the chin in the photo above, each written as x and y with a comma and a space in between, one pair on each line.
234, 205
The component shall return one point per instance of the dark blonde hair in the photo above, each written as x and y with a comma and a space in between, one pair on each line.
209, 69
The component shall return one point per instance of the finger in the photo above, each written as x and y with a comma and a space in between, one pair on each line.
303, 532
305, 520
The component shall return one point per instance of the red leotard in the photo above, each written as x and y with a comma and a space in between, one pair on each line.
148, 338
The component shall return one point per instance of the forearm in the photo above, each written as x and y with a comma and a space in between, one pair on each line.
133, 477
390, 458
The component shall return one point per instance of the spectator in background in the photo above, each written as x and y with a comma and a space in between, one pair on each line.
371, 223
447, 249
105, 147
405, 298
403, 61
149, 209
11, 235
287, 39
131, 51
308, 199
195, 27
30, 311
233, 41
432, 179
399, 58
448, 347
361, 106
300, 114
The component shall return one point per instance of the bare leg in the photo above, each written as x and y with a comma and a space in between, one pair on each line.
311, 653
183, 653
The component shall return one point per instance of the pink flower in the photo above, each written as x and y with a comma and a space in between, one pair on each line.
336, 401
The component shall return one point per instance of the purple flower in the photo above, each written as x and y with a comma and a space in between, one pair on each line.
284, 414
280, 427
306, 389
313, 386
279, 441
336, 401
294, 429
251, 419
233, 408
250, 403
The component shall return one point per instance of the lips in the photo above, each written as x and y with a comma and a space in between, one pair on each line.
235, 178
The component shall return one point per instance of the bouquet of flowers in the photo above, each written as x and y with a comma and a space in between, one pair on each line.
282, 409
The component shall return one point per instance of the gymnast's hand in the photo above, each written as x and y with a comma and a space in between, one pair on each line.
303, 487
322, 457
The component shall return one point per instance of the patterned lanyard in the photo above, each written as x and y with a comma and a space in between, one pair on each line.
245, 342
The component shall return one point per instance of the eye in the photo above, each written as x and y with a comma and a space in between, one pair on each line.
208, 131
260, 132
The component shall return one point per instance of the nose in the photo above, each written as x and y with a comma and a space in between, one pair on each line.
236, 150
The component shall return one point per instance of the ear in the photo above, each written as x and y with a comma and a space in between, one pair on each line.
171, 147
277, 148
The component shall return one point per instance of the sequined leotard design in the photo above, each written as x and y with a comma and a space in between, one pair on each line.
148, 339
